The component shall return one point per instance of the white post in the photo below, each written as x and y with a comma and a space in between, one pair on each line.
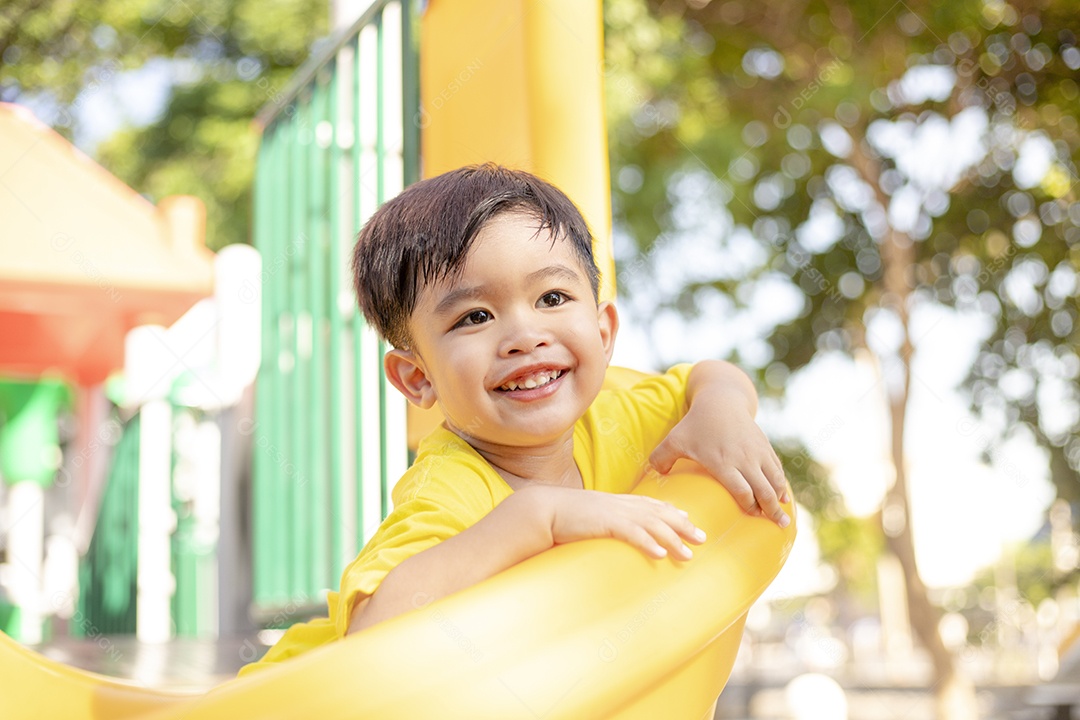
154, 578
197, 480
147, 356
26, 522
238, 297
238, 281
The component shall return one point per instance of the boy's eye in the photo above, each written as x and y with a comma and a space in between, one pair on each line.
476, 317
552, 299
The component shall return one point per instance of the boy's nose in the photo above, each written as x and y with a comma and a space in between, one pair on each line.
524, 337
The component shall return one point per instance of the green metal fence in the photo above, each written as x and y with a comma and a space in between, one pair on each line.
108, 571
329, 438
195, 600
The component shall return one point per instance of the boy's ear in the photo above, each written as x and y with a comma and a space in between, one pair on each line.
405, 372
608, 319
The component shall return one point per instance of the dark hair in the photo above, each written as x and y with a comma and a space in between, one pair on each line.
424, 235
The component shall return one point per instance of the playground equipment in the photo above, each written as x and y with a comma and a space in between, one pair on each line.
84, 260
591, 629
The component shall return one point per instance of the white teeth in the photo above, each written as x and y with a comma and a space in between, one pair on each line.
531, 382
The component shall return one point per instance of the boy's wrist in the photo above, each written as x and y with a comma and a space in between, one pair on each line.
729, 397
534, 513
721, 382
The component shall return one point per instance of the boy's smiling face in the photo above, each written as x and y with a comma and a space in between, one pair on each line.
514, 348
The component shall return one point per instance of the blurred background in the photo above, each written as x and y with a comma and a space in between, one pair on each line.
870, 207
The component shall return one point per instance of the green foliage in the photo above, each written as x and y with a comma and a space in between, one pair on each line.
61, 46
199, 147
810, 483
853, 546
228, 60
1033, 565
1001, 596
757, 100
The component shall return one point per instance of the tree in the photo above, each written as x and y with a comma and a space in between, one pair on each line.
62, 49
795, 126
226, 60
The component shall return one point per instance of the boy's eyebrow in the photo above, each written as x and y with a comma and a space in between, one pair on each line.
553, 271
455, 296
468, 293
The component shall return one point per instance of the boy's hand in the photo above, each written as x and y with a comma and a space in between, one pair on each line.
719, 432
655, 527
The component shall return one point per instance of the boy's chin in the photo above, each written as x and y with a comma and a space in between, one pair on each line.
514, 437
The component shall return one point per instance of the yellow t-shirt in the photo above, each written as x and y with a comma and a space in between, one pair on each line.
450, 487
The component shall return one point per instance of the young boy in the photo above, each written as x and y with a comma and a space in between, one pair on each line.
483, 280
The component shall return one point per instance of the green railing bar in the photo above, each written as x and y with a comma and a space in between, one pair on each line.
380, 195
337, 328
296, 495
410, 90
357, 317
317, 482
380, 89
410, 99
281, 259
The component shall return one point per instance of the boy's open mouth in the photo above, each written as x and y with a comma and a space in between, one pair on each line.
531, 381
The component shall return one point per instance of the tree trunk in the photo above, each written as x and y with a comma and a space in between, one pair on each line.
955, 693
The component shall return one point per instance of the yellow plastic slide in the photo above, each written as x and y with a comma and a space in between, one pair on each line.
591, 629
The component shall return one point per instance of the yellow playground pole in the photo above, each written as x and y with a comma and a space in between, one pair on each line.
526, 91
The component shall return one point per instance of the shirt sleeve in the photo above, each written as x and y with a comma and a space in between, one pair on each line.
431, 505
623, 426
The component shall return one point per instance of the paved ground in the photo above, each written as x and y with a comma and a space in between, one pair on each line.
183, 663
741, 702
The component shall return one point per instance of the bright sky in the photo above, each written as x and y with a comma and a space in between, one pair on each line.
133, 98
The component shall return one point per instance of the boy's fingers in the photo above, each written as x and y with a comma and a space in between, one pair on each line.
663, 457
774, 473
666, 536
679, 521
657, 531
739, 487
764, 498
640, 538
780, 517
767, 499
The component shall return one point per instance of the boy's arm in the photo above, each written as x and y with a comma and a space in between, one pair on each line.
528, 522
719, 432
